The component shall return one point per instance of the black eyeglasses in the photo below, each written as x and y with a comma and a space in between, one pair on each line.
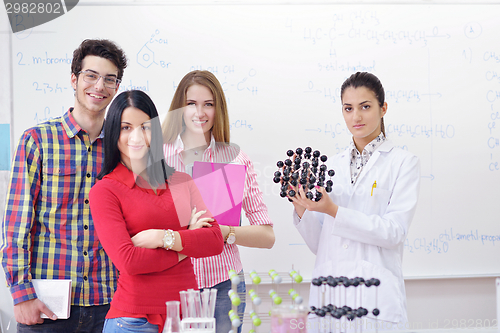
109, 81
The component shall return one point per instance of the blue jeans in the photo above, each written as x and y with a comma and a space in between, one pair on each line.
126, 324
82, 319
223, 305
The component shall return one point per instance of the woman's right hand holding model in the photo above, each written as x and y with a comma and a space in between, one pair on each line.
325, 205
301, 203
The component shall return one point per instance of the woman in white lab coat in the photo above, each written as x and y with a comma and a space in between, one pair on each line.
359, 229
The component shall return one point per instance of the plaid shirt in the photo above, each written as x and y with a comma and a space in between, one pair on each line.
48, 232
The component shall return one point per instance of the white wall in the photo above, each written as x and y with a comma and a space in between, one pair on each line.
6, 310
451, 303
432, 303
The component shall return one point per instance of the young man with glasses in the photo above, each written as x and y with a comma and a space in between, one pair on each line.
47, 231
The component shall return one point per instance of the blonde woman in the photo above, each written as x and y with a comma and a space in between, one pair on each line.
197, 129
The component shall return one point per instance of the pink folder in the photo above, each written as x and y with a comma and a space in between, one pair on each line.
221, 185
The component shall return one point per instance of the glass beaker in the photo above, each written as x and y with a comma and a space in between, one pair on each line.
173, 322
289, 319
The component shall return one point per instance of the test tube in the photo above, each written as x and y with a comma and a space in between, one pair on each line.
197, 303
213, 299
191, 306
184, 304
205, 298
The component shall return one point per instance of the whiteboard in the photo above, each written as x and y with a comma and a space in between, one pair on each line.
281, 67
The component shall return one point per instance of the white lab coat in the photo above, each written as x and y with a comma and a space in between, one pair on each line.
366, 238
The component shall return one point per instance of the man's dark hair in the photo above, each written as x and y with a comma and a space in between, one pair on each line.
101, 48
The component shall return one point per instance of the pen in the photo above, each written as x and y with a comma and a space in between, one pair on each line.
373, 186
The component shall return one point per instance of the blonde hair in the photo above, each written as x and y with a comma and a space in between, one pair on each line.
174, 125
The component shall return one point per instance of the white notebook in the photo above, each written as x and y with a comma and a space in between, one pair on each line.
56, 294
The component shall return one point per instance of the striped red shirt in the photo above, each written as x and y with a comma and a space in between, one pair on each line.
213, 270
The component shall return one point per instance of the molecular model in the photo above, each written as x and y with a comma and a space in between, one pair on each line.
339, 302
332, 290
273, 279
303, 168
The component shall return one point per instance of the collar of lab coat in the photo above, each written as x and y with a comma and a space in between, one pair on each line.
384, 148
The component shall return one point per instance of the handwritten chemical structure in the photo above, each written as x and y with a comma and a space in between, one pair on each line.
411, 37
425, 245
444, 241
240, 124
243, 84
335, 66
130, 85
443, 131
48, 88
146, 56
331, 94
370, 27
329, 130
397, 96
473, 30
361, 17
45, 115
493, 76
409, 96
231, 79
491, 58
493, 142
44, 59
390, 36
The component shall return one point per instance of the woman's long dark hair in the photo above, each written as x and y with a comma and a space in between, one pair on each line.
369, 81
158, 171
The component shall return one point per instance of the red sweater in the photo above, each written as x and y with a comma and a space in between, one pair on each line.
150, 277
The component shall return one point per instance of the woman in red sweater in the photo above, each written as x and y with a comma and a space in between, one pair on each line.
140, 198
